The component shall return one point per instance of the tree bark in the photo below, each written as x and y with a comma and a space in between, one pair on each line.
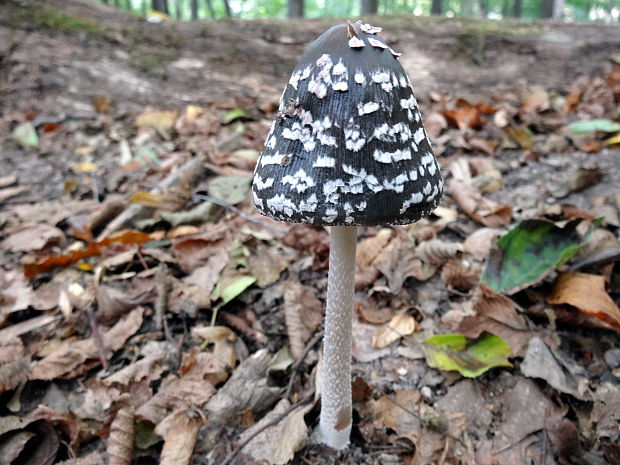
129, 5
178, 11
227, 8
552, 9
484, 8
369, 7
160, 5
210, 8
295, 9
516, 8
436, 7
194, 8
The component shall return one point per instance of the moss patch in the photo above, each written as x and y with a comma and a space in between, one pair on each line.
54, 21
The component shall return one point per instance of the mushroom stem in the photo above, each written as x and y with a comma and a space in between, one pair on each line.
336, 408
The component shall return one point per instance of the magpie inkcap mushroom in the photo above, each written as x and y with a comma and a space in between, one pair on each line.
347, 148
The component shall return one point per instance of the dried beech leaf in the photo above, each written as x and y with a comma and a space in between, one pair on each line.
14, 373
303, 314
34, 237
460, 276
277, 445
120, 442
70, 358
401, 325
267, 264
221, 343
587, 293
369, 249
437, 251
180, 431
15, 293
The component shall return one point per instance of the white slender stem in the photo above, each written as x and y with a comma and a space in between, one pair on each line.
336, 408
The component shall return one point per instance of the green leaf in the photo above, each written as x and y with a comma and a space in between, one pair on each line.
603, 125
233, 115
471, 358
230, 189
233, 288
529, 251
26, 135
145, 436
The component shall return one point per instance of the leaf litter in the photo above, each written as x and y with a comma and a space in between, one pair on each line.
219, 360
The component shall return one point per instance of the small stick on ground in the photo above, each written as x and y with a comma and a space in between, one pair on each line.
279, 231
94, 327
269, 424
295, 367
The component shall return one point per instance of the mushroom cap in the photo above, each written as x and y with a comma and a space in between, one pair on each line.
348, 146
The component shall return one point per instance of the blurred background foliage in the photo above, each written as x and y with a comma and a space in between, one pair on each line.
607, 11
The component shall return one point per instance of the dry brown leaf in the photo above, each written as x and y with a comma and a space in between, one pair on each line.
69, 360
159, 120
398, 261
536, 100
434, 123
277, 445
207, 275
303, 313
460, 275
587, 293
375, 315
393, 416
194, 250
468, 117
149, 368
479, 208
369, 248
221, 343
494, 313
13, 373
401, 325
480, 243
437, 251
267, 264
34, 237
120, 442
180, 431
15, 293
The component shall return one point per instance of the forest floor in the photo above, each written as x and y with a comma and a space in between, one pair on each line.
149, 315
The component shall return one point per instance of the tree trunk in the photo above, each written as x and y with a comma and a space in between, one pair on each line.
436, 7
178, 10
516, 8
129, 5
210, 8
227, 8
117, 3
552, 9
194, 8
106, 1
369, 7
160, 5
505, 8
295, 9
484, 8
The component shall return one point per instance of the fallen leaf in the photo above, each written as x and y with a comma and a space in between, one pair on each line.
34, 237
121, 439
401, 325
587, 293
220, 342
494, 313
479, 208
159, 120
234, 398
453, 352
15, 293
462, 118
229, 189
437, 251
529, 251
303, 314
180, 431
26, 135
602, 125
460, 276
537, 100
70, 358
277, 444
540, 361
267, 264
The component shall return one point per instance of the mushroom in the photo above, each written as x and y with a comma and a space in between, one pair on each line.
347, 148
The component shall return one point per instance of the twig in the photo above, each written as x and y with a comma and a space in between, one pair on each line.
191, 170
94, 327
267, 425
161, 301
241, 213
295, 367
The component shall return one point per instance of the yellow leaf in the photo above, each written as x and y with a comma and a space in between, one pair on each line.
147, 199
159, 120
84, 167
192, 112
612, 140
